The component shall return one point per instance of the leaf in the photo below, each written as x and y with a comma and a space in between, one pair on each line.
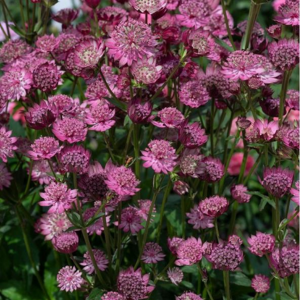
265, 200
95, 294
50, 283
117, 103
190, 269
223, 44
238, 278
187, 284
18, 31
75, 219
94, 219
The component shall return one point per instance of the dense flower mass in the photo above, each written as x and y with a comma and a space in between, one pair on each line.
260, 283
261, 243
189, 252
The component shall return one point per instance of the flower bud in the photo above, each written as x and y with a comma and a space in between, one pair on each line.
139, 112
243, 123
181, 187
274, 31
66, 242
92, 3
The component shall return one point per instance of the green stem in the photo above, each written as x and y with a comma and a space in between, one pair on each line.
256, 295
4, 32
227, 25
107, 236
217, 229
296, 285
252, 169
73, 86
22, 13
108, 87
226, 284
137, 166
119, 239
233, 217
29, 177
284, 87
212, 127
205, 283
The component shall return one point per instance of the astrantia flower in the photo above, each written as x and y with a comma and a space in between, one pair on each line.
12, 50
188, 164
69, 279
286, 260
198, 219
100, 115
46, 43
5, 177
66, 242
66, 16
277, 181
70, 130
159, 155
122, 181
67, 41
201, 42
175, 275
100, 259
260, 283
214, 206
180, 187
225, 256
7, 144
130, 41
133, 285
173, 244
148, 6
152, 253
296, 194
189, 296
47, 76
170, 117
291, 138
139, 112
144, 210
112, 296
193, 94
62, 103
284, 54
40, 115
288, 13
15, 84
189, 252
145, 70
97, 227
130, 220
292, 99
58, 196
239, 193
261, 131
54, 224
210, 169
88, 52
261, 243
74, 159
44, 148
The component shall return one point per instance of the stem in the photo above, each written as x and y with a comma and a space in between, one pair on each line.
226, 284
212, 127
233, 217
73, 86
107, 236
29, 177
137, 167
217, 229
227, 25
253, 13
256, 295
296, 285
22, 14
205, 283
252, 169
107, 86
28, 249
4, 32
284, 87
5, 17
119, 241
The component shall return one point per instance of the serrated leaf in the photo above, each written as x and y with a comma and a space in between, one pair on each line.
238, 278
95, 294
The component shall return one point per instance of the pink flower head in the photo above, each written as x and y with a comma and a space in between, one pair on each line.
74, 159
239, 193
112, 296
70, 130
284, 54
148, 6
199, 220
47, 76
100, 259
97, 227
159, 155
189, 163
225, 256
44, 148
189, 296
170, 117
181, 187
152, 253
214, 206
175, 275
260, 283
88, 52
173, 244
130, 41
210, 169
139, 112
261, 243
295, 193
277, 181
291, 138
41, 172
13, 49
235, 164
40, 115
189, 252
5, 177
130, 220
54, 224
66, 16
46, 43
193, 94
69, 279
122, 181
144, 208
58, 196
288, 13
286, 260
100, 115
67, 41
66, 242
15, 84
292, 99
201, 42
133, 285
62, 103
7, 144
145, 70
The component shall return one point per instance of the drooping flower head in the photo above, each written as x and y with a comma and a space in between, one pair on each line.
148, 6
66, 242
170, 117
260, 283
133, 285
44, 148
131, 220
152, 253
175, 275
214, 206
261, 243
180, 187
69, 279
239, 193
189, 296
277, 181
159, 155
189, 252
130, 41
5, 177
7, 144
100, 259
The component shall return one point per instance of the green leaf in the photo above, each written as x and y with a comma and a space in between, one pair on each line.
75, 219
95, 294
187, 284
50, 283
18, 31
265, 200
94, 219
238, 278
223, 44
117, 103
